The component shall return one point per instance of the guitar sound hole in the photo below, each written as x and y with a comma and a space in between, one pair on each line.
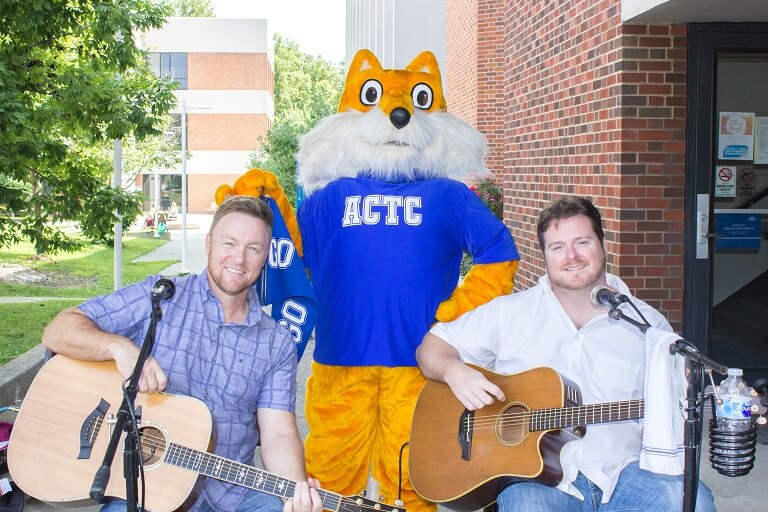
512, 424
153, 445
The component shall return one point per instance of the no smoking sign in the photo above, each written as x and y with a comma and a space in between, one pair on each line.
725, 181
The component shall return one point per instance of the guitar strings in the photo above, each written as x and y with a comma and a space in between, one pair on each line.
179, 452
558, 415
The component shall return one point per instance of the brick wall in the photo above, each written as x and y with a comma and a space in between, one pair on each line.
491, 78
461, 58
209, 131
229, 71
651, 219
595, 108
225, 132
202, 189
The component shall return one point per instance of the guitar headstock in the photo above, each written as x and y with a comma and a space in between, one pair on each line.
363, 504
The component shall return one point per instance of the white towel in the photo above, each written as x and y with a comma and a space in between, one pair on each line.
663, 449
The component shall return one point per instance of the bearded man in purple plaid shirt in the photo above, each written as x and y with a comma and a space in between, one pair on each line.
214, 343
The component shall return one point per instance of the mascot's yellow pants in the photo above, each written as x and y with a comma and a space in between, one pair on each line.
358, 418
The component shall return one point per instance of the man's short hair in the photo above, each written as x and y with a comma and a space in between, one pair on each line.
249, 205
565, 208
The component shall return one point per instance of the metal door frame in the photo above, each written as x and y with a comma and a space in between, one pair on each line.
705, 40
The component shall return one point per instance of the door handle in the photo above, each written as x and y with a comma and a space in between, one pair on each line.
702, 227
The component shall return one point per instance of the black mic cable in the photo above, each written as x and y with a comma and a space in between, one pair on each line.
399, 501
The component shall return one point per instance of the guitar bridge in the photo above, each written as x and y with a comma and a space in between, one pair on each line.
90, 429
466, 422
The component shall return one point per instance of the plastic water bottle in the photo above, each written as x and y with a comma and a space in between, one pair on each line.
735, 413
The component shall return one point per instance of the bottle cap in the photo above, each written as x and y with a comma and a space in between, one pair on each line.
738, 372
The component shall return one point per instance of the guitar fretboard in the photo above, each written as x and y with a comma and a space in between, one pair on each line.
564, 417
241, 474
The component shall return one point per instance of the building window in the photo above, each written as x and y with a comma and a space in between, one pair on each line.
170, 191
170, 65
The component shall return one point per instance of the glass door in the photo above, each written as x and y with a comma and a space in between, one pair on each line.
739, 331
727, 284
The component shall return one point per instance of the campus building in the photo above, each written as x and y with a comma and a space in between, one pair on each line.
396, 30
655, 109
224, 68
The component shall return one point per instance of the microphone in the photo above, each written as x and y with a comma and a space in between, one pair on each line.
606, 296
163, 289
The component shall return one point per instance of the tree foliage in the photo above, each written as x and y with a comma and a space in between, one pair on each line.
307, 89
162, 151
191, 8
72, 80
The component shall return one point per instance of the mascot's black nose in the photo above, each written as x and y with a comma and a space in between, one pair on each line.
399, 117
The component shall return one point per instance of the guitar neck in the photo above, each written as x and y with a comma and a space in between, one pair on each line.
240, 474
565, 417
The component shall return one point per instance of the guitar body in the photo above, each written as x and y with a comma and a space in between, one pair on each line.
502, 450
46, 439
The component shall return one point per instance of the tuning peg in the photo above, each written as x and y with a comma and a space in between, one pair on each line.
362, 493
381, 499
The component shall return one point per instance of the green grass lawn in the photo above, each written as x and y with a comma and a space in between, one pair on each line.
21, 325
75, 276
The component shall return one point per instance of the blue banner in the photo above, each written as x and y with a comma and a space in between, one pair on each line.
284, 284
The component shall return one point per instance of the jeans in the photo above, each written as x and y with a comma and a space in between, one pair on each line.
254, 501
637, 491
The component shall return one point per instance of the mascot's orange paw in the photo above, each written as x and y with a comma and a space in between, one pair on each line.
447, 309
256, 183
483, 283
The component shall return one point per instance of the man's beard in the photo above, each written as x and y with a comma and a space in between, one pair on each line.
589, 282
223, 287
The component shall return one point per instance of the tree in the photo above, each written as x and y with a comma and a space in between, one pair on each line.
307, 89
162, 151
72, 80
191, 8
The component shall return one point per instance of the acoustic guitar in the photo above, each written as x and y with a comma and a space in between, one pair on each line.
463, 459
62, 431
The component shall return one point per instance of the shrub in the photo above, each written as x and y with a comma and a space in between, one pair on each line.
493, 197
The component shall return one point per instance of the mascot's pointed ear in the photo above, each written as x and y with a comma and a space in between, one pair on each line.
425, 62
363, 59
364, 64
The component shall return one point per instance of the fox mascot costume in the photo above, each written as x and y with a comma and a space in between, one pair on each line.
383, 228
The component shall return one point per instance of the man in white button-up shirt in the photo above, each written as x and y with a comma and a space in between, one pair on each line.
555, 324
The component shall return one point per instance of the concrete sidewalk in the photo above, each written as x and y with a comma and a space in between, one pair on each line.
196, 259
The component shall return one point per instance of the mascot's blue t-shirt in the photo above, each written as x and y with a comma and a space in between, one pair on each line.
397, 250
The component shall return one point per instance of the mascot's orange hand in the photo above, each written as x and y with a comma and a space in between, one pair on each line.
482, 283
257, 182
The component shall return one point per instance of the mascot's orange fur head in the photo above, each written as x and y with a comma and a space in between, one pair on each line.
417, 86
392, 125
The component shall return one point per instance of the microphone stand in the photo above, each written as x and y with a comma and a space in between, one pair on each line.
693, 429
126, 421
